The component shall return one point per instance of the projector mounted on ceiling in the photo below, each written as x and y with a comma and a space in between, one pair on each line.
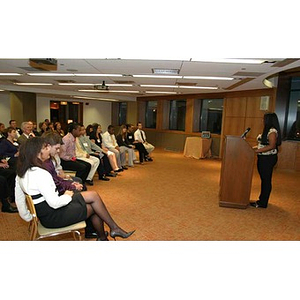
102, 86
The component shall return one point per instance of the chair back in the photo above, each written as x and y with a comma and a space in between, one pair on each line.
34, 222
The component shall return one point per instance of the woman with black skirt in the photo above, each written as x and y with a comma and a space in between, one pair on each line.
53, 210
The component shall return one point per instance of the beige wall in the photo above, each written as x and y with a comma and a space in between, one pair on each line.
5, 116
23, 106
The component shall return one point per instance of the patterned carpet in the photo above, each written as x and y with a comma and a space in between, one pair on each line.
175, 198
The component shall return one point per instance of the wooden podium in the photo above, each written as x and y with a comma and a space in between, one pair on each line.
236, 173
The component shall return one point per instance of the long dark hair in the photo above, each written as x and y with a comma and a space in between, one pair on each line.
28, 155
271, 121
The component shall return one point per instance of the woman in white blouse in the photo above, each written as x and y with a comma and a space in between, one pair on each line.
53, 210
267, 150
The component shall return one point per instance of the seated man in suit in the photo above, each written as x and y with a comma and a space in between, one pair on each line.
140, 136
27, 132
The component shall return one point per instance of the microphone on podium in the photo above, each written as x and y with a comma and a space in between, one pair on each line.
245, 133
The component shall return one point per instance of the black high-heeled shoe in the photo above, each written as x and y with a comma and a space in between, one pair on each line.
114, 234
106, 239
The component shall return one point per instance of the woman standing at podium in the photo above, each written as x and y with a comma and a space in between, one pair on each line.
267, 150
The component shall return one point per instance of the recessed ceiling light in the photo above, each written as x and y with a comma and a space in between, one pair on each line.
159, 92
159, 85
10, 74
50, 74
31, 83
157, 76
165, 71
97, 75
231, 60
76, 84
208, 77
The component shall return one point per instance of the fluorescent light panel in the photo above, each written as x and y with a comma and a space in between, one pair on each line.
10, 74
158, 92
157, 76
93, 98
107, 91
208, 77
31, 83
230, 60
97, 75
179, 86
50, 74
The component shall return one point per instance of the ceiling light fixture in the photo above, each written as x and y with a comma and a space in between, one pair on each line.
165, 71
93, 98
158, 92
159, 85
198, 87
157, 76
208, 77
10, 74
76, 84
50, 74
97, 75
230, 60
180, 86
31, 83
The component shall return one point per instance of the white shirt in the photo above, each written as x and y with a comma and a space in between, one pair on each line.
138, 135
37, 181
109, 140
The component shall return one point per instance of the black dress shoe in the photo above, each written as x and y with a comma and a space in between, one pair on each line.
91, 235
104, 178
256, 205
89, 182
105, 239
111, 175
124, 168
119, 170
9, 209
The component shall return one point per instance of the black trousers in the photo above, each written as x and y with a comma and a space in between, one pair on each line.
142, 151
10, 177
4, 191
265, 166
81, 168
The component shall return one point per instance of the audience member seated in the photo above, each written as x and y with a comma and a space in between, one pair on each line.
10, 176
93, 150
81, 154
27, 132
57, 128
109, 158
124, 144
56, 211
9, 148
109, 141
13, 124
54, 140
139, 146
68, 153
140, 136
5, 195
2, 131
43, 128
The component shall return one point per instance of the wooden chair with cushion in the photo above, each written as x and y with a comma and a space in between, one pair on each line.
38, 231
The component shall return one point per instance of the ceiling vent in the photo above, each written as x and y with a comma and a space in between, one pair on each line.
285, 62
248, 74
